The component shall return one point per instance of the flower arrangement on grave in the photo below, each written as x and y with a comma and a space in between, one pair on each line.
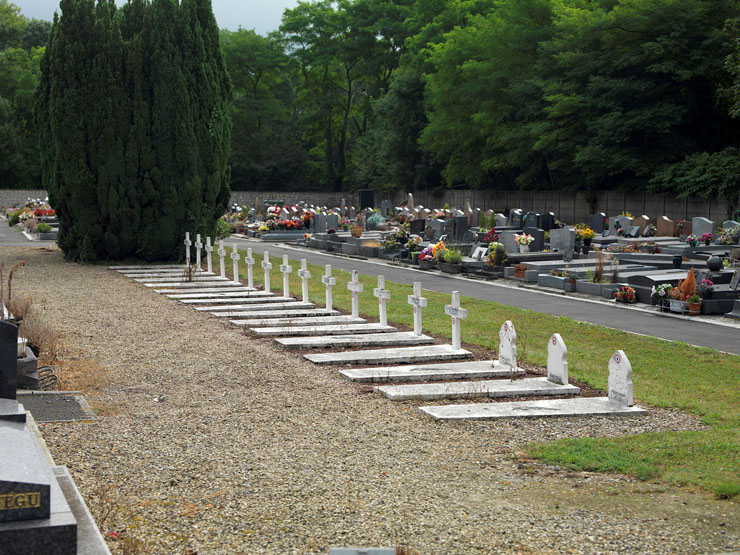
452, 256
704, 288
692, 240
523, 239
374, 221
706, 238
440, 215
625, 294
583, 232
390, 244
564, 273
725, 237
264, 227
680, 224
44, 212
414, 242
685, 288
661, 293
307, 235
496, 254
427, 253
491, 236
307, 217
331, 231
621, 248
438, 250
345, 224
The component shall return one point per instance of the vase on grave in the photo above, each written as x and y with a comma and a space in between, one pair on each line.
415, 257
707, 242
450, 268
677, 261
523, 248
587, 242
586, 247
714, 263
356, 232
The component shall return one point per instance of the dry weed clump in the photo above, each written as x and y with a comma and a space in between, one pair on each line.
77, 373
41, 336
20, 307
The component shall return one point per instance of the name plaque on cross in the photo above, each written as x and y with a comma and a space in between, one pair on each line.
356, 288
457, 314
383, 295
329, 282
209, 250
305, 275
235, 257
267, 266
418, 302
286, 269
249, 261
222, 256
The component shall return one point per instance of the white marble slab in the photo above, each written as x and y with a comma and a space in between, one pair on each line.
289, 313
363, 340
582, 406
397, 355
195, 284
434, 371
325, 329
149, 267
196, 292
223, 296
246, 310
298, 321
236, 303
473, 390
178, 278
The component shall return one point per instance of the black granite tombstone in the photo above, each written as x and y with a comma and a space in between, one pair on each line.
8, 359
539, 238
532, 219
416, 227
547, 221
460, 226
516, 218
367, 198
597, 222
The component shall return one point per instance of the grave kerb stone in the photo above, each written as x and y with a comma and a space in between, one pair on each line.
418, 302
249, 261
557, 360
456, 313
235, 257
222, 257
267, 266
329, 282
356, 288
305, 275
383, 295
620, 380
507, 346
286, 269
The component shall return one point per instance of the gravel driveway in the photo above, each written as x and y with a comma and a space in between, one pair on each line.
211, 441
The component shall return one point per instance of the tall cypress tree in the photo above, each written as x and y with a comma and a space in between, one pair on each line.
133, 111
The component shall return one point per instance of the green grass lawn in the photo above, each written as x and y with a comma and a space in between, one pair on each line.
665, 374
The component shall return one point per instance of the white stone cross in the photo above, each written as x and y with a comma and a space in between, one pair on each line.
249, 261
418, 302
330, 282
383, 296
209, 250
507, 345
620, 380
267, 267
198, 246
221, 255
235, 257
305, 275
187, 242
557, 360
286, 269
356, 288
457, 314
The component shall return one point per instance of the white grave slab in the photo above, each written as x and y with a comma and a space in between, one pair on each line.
247, 310
363, 340
173, 275
383, 296
267, 266
427, 372
305, 275
292, 313
418, 302
321, 319
355, 288
237, 303
235, 257
474, 390
148, 267
323, 329
193, 285
398, 355
225, 287
557, 360
584, 406
226, 295
456, 313
178, 278
329, 282
164, 272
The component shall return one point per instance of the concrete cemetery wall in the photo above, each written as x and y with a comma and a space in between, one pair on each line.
11, 197
320, 198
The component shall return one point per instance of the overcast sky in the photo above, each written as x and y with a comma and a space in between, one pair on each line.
261, 15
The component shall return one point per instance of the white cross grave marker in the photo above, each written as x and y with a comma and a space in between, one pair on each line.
221, 255
286, 269
356, 287
383, 296
557, 360
187, 248
198, 246
418, 302
267, 267
457, 314
330, 282
305, 275
235, 257
209, 250
620, 380
249, 261
507, 345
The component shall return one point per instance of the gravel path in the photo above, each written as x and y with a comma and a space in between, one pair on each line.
254, 450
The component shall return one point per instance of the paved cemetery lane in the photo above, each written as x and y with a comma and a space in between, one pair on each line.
11, 237
723, 338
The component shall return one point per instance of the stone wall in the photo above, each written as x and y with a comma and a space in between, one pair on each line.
11, 197
319, 198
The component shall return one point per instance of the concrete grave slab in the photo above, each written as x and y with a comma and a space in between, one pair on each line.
247, 310
472, 390
207, 289
164, 281
298, 321
193, 284
238, 302
398, 355
532, 409
322, 329
224, 295
428, 372
149, 267
364, 340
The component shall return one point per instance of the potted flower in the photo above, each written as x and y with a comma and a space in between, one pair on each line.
451, 261
661, 295
426, 258
356, 231
437, 250
584, 233
625, 294
694, 305
705, 288
496, 254
491, 236
523, 241
692, 240
706, 238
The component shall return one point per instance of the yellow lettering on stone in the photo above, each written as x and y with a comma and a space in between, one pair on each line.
26, 500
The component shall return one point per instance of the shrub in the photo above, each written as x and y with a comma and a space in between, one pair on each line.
452, 256
43, 228
14, 217
223, 229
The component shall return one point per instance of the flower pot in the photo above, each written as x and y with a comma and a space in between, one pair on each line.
355, 232
707, 242
523, 248
587, 242
694, 308
677, 261
426, 264
450, 268
678, 306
